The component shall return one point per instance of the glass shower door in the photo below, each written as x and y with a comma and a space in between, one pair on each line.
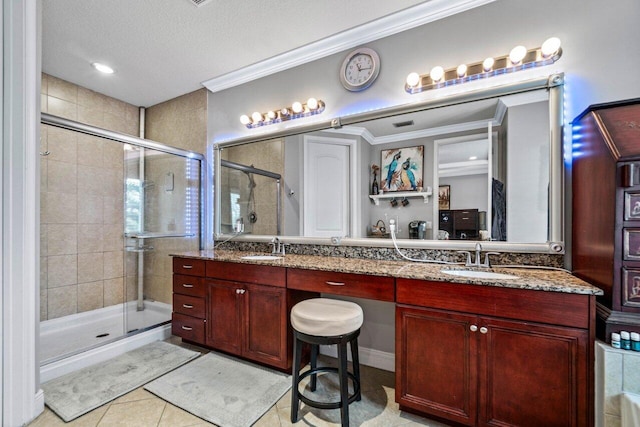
161, 207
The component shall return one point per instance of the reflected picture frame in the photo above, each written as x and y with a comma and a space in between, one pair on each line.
401, 169
444, 197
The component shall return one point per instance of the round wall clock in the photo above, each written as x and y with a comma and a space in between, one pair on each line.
360, 69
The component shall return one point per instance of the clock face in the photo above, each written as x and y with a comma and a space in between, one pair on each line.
360, 69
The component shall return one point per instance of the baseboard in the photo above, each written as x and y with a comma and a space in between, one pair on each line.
368, 356
100, 354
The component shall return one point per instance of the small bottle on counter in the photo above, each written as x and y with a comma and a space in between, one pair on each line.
615, 340
635, 341
625, 340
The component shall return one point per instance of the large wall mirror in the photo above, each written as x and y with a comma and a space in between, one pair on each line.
481, 166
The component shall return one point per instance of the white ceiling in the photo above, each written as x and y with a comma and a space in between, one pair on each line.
162, 49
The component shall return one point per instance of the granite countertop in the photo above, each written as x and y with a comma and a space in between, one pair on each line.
527, 278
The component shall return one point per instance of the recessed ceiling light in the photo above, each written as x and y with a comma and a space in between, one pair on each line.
102, 68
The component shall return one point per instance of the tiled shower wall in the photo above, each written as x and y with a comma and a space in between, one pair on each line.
181, 123
82, 258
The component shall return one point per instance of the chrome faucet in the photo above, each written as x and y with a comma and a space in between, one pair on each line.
476, 262
278, 247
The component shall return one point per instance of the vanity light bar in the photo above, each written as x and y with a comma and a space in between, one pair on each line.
297, 110
518, 59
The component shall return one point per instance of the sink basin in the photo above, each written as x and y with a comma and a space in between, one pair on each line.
475, 274
262, 257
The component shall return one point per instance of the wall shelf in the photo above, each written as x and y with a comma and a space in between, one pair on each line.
402, 194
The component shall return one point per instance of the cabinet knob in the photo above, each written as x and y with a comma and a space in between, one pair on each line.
483, 330
240, 291
473, 328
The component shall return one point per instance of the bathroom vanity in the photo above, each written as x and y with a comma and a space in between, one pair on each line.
513, 350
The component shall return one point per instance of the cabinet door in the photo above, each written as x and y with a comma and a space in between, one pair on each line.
436, 363
265, 322
530, 375
224, 320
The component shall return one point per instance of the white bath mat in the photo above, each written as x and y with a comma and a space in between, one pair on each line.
223, 390
79, 392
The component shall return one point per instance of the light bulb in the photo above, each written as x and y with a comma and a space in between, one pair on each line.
487, 64
284, 111
244, 119
312, 104
257, 117
271, 115
550, 47
102, 68
413, 79
436, 73
517, 54
461, 71
296, 107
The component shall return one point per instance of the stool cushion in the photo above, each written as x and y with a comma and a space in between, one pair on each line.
325, 317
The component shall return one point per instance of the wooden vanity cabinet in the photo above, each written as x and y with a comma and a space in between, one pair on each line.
489, 356
248, 312
189, 300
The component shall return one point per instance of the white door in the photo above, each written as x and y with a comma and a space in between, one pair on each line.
326, 188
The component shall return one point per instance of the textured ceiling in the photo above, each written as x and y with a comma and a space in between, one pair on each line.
161, 49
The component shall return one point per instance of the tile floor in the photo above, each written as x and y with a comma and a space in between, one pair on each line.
140, 408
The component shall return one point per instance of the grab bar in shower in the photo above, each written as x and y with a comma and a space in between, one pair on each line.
157, 235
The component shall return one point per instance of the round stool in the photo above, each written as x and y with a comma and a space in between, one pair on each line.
324, 321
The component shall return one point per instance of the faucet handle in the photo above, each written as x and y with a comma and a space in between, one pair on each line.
487, 262
468, 262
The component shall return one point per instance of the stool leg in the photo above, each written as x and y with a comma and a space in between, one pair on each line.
295, 378
314, 365
356, 365
344, 384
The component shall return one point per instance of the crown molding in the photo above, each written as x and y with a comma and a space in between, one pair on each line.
403, 20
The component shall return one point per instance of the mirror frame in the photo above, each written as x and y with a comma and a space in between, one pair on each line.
555, 244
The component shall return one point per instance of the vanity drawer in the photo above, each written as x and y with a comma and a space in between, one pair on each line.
189, 285
353, 285
189, 305
247, 273
188, 266
188, 328
467, 219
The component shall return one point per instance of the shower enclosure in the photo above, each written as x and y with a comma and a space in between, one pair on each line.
113, 207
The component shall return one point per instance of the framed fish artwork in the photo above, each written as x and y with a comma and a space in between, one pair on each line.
402, 169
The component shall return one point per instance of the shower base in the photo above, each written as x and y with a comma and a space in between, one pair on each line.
72, 342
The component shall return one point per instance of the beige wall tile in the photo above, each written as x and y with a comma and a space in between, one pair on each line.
90, 209
44, 83
43, 304
62, 301
113, 264
113, 182
62, 177
113, 239
43, 238
113, 155
60, 208
90, 296
90, 151
91, 180
91, 99
62, 144
62, 270
43, 272
44, 103
113, 291
62, 239
90, 238
91, 116
90, 267
113, 210
62, 108
44, 167
62, 89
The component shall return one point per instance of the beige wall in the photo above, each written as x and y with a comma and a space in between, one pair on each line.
181, 123
82, 258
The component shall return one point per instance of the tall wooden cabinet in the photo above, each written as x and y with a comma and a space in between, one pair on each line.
606, 211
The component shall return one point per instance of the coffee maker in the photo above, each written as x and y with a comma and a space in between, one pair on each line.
417, 229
